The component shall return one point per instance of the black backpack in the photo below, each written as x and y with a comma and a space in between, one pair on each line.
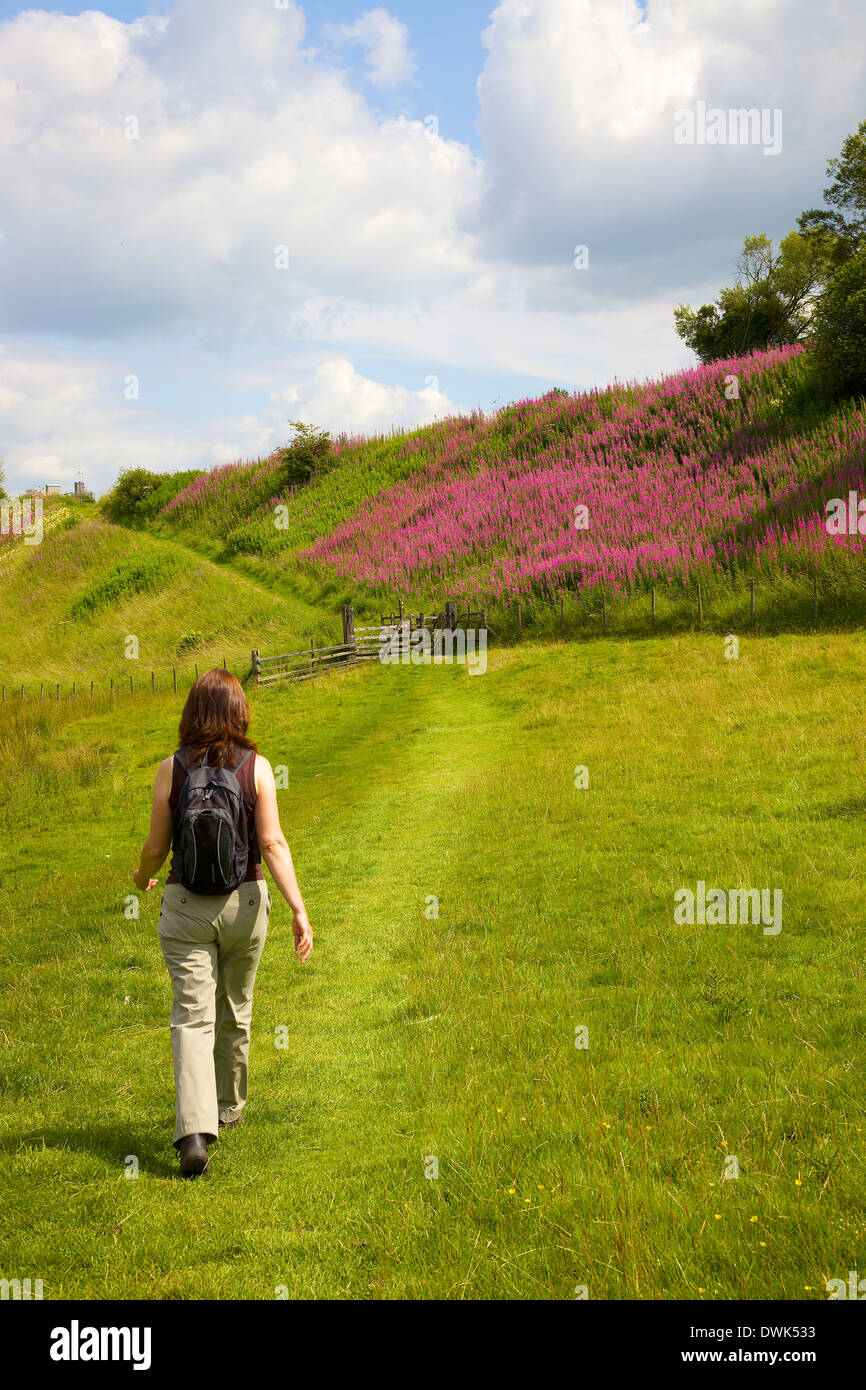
210, 828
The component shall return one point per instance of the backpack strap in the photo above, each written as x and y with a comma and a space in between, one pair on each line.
184, 756
184, 762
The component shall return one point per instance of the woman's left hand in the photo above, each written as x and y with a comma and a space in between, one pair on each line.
145, 884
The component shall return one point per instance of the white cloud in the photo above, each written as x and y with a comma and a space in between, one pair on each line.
245, 148
67, 411
338, 398
577, 117
386, 40
399, 242
584, 342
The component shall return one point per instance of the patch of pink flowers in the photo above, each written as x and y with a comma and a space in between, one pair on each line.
675, 477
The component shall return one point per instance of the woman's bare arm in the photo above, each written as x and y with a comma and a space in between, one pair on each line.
158, 843
278, 856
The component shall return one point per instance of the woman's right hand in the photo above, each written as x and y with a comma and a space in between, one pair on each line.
303, 935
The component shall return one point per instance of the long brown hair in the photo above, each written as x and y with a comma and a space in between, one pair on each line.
216, 716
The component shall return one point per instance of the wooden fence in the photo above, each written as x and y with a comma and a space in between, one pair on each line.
299, 666
362, 643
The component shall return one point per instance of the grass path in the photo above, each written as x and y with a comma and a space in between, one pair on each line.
414, 1037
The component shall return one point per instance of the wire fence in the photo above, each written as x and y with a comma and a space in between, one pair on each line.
570, 616
90, 688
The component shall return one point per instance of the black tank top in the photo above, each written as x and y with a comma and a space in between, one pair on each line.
247, 779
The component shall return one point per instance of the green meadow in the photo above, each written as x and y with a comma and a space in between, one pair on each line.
421, 1122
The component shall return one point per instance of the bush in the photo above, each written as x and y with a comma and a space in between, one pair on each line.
132, 486
797, 396
170, 485
308, 456
137, 574
839, 358
138, 494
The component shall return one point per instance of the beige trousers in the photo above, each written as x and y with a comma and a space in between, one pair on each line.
211, 945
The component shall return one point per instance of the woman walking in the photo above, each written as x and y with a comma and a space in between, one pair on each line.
215, 807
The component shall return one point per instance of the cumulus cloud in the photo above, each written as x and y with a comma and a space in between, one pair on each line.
206, 180
67, 411
386, 40
202, 174
578, 99
339, 397
63, 411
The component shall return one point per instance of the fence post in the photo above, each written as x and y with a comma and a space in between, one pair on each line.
348, 625
58, 690
196, 670
256, 665
112, 685
451, 614
131, 686
152, 684
312, 658
224, 663
41, 690
73, 687
91, 690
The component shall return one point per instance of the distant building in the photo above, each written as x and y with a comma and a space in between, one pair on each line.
53, 489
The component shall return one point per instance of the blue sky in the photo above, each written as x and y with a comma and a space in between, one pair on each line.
429, 218
446, 39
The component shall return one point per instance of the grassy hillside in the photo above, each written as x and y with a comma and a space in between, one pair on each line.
69, 604
715, 476
414, 1037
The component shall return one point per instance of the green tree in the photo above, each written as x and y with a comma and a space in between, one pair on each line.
771, 301
845, 218
839, 345
2, 480
308, 456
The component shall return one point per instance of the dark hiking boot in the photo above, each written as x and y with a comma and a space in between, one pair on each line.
193, 1155
231, 1124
